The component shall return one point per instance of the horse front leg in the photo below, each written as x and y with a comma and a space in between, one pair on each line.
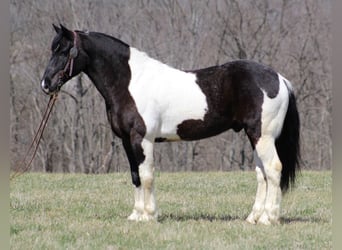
146, 172
138, 195
140, 155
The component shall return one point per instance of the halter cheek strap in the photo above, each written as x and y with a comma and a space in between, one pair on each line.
72, 55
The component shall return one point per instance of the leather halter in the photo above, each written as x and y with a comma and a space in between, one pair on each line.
72, 55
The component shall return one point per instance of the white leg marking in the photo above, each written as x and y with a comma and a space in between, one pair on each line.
272, 166
145, 207
138, 209
259, 204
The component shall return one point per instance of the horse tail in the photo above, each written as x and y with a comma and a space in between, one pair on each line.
288, 145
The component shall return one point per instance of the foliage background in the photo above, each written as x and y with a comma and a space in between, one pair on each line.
293, 36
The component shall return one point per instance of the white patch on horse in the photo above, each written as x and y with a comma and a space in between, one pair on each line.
164, 96
274, 110
287, 82
43, 85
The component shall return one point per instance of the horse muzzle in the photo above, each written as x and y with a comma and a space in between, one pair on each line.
51, 89
52, 86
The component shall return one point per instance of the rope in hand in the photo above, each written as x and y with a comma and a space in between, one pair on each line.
23, 167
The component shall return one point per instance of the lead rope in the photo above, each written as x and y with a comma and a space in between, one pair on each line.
22, 167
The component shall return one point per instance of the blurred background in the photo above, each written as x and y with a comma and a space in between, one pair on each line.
292, 36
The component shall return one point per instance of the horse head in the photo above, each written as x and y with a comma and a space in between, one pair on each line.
68, 59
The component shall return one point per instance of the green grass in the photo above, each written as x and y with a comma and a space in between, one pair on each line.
198, 211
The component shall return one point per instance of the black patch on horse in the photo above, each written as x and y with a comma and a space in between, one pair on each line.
234, 97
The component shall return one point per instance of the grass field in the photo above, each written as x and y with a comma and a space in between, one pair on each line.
198, 211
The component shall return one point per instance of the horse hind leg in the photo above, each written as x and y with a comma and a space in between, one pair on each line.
267, 153
273, 112
259, 204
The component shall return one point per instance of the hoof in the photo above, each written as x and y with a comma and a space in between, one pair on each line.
148, 217
250, 219
136, 216
266, 220
253, 217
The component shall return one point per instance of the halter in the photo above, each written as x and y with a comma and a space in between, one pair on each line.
72, 55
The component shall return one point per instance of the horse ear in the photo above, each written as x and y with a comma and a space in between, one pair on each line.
57, 29
67, 33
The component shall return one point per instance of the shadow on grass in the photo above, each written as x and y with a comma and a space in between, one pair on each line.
197, 217
292, 220
211, 218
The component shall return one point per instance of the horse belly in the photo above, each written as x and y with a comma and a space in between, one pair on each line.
181, 106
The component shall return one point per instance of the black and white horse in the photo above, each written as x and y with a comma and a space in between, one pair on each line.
148, 101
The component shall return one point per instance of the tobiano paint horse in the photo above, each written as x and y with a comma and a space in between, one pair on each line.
148, 101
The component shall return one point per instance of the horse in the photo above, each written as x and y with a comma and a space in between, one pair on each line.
150, 102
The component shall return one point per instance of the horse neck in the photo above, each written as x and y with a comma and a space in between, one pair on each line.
108, 64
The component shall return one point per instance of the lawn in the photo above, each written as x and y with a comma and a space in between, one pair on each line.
199, 210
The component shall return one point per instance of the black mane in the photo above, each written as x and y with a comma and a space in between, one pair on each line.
109, 43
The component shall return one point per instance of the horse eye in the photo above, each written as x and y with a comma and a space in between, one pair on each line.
57, 48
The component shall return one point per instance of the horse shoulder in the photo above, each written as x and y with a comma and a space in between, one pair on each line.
164, 96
